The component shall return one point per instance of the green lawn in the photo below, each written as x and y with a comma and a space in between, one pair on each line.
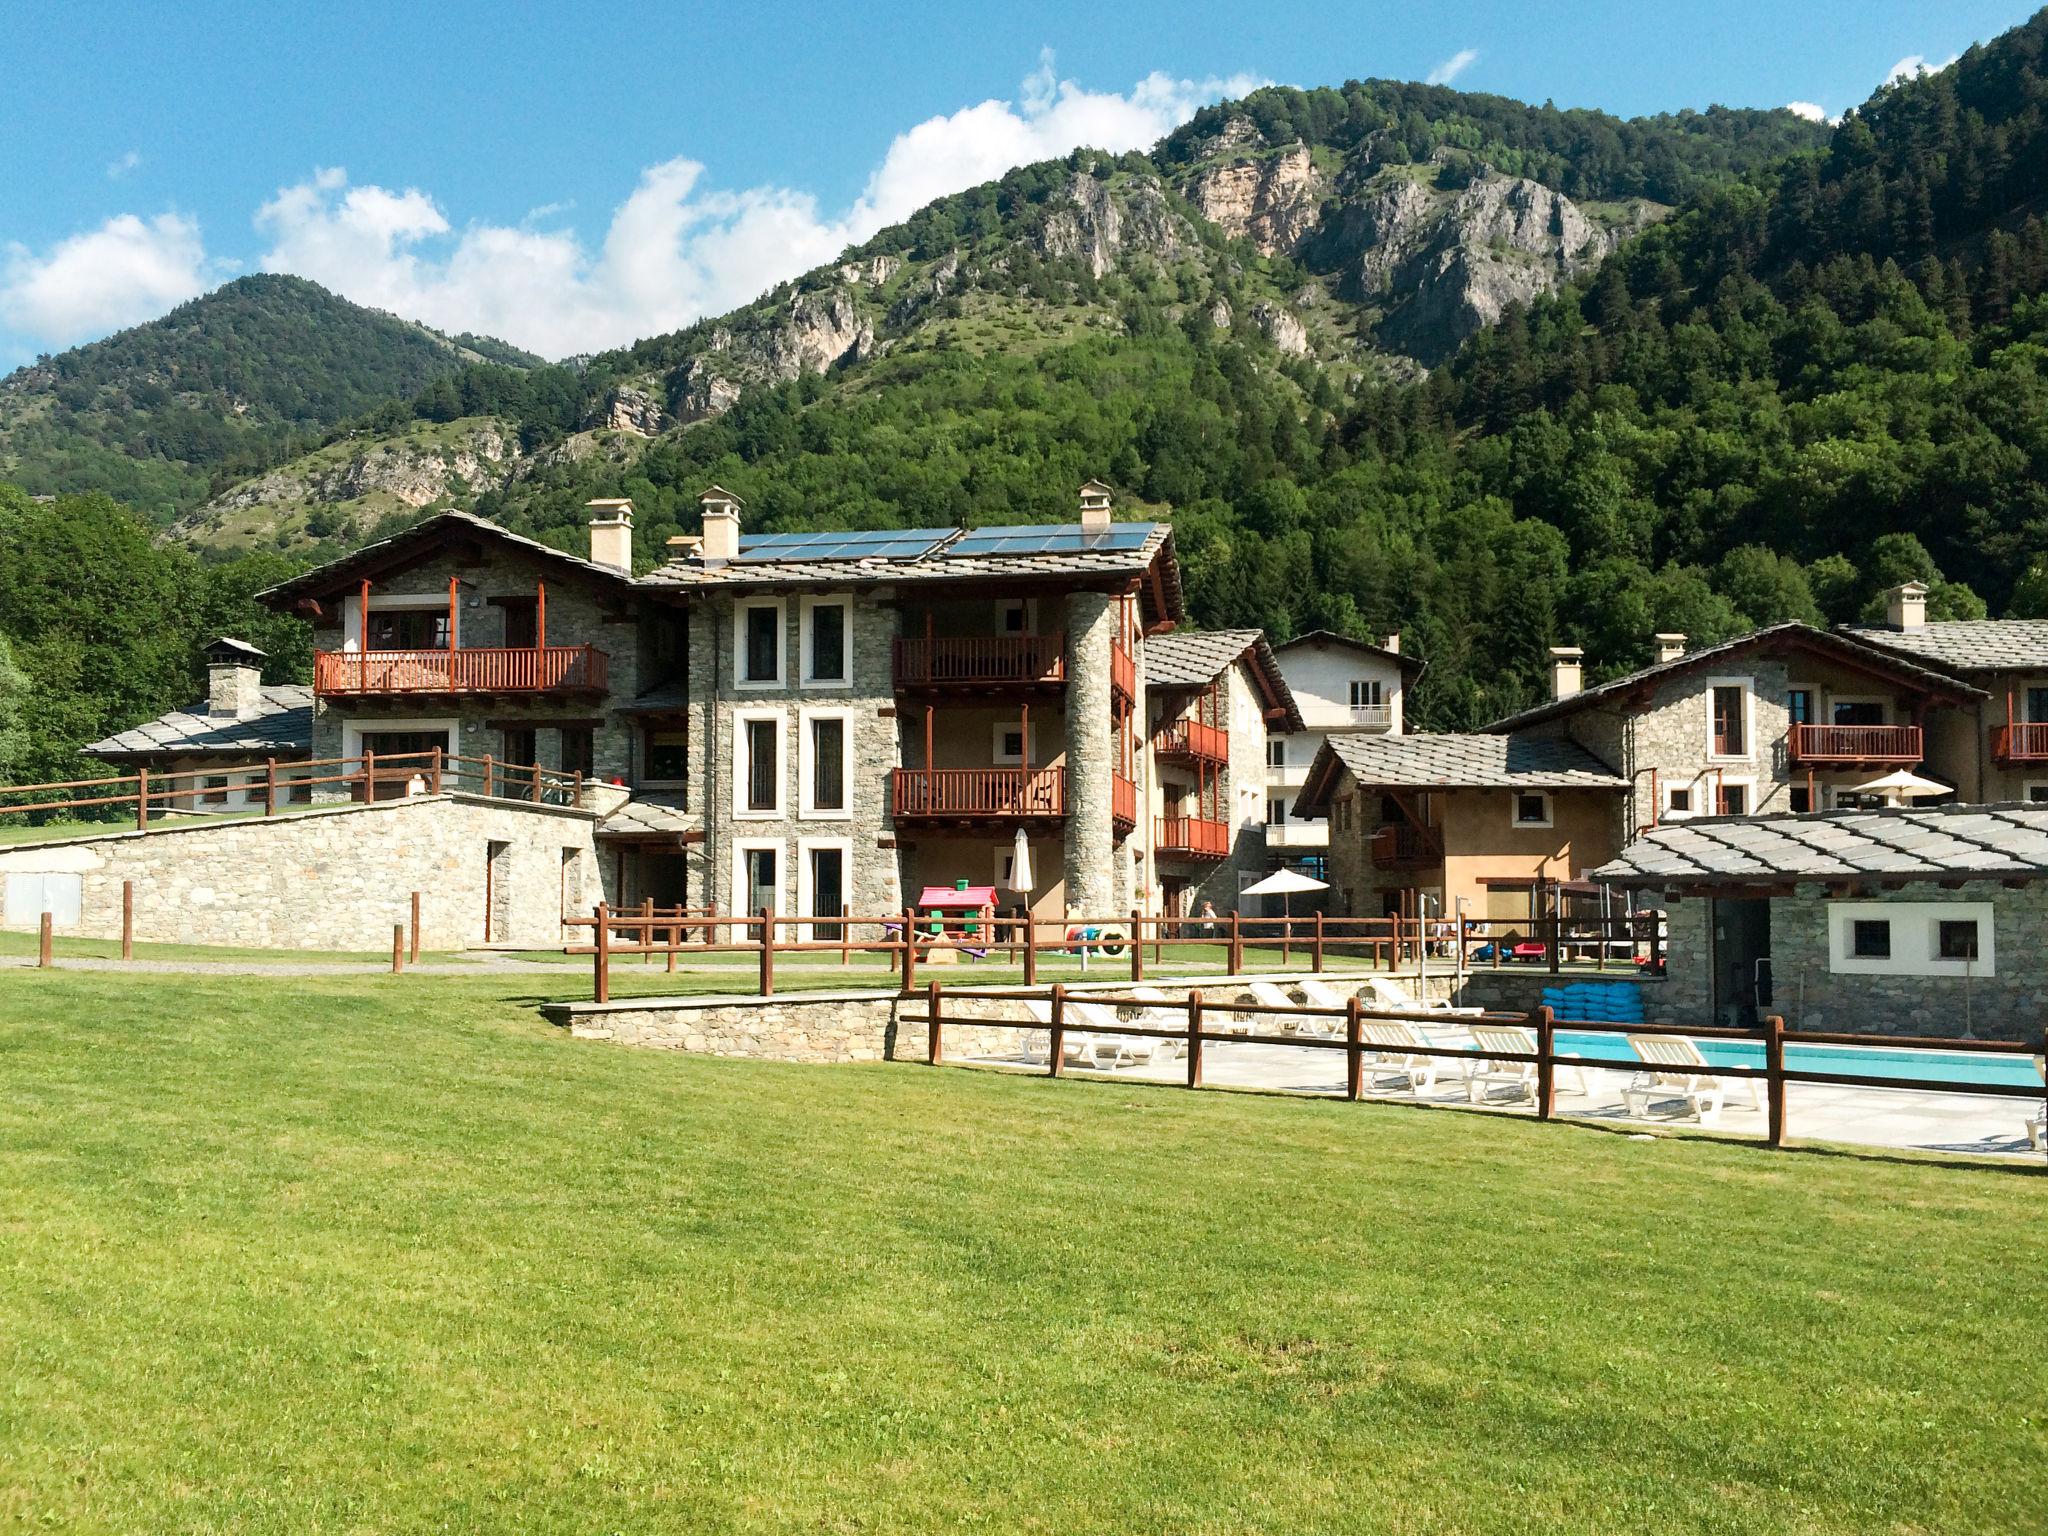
387, 1254
66, 946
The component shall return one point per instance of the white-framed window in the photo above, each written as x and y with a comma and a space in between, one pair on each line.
757, 876
1681, 801
1731, 717
1016, 615
827, 642
1007, 744
825, 764
1529, 808
1276, 810
1365, 693
1911, 938
1733, 797
1276, 751
759, 641
759, 765
2037, 792
824, 885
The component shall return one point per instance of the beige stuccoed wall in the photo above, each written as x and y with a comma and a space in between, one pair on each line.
1481, 841
336, 878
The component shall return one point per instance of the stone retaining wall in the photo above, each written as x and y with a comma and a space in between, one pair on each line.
334, 878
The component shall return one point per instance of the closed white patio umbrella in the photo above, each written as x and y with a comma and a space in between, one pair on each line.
1020, 864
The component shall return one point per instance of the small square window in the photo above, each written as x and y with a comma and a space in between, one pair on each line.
1681, 802
1802, 802
1735, 800
2037, 794
668, 754
1870, 938
1958, 939
1532, 810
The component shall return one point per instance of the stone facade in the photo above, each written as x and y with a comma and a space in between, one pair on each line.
1092, 880
337, 878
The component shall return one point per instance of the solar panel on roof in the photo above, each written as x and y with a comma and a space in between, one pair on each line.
1058, 539
844, 544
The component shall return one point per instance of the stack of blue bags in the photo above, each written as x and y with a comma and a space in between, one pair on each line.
1596, 1002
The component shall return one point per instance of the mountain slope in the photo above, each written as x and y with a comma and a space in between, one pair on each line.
219, 387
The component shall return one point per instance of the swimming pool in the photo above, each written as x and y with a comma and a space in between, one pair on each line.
1962, 1069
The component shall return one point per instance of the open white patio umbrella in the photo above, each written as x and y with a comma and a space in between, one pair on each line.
1020, 864
1284, 883
1901, 785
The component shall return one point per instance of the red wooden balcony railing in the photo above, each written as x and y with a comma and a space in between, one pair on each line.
513, 669
1123, 672
1194, 836
1897, 745
1123, 801
1192, 739
978, 794
980, 661
2024, 741
1403, 846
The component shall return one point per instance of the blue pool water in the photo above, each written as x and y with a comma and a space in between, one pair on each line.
1958, 1067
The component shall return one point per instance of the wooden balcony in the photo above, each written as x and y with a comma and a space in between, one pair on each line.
1123, 803
978, 794
2020, 742
1855, 746
978, 662
1404, 847
1123, 673
1192, 837
512, 669
1192, 741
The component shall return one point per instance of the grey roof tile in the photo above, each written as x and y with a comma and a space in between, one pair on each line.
647, 818
1456, 762
281, 727
1195, 658
1925, 842
1966, 645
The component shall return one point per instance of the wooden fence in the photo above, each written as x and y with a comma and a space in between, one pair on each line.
1541, 1026
288, 784
1138, 938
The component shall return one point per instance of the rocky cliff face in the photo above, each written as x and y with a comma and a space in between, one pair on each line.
1270, 200
1101, 227
411, 474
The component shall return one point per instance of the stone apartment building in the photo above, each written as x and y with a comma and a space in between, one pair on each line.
817, 722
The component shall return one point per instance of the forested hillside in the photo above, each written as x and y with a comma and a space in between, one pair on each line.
162, 415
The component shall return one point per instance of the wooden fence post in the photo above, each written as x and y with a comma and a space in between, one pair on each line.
1556, 942
647, 929
397, 948
127, 919
1315, 961
1058, 1032
437, 771
601, 956
1774, 1084
1286, 938
489, 773
767, 953
369, 775
934, 1047
1030, 948
270, 786
1354, 1050
1236, 961
1137, 947
909, 952
1194, 1038
1546, 1064
43, 943
142, 799
413, 950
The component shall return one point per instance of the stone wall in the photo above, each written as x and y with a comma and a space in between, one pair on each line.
335, 878
1091, 753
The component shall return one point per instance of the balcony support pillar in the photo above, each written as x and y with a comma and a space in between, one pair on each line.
1091, 754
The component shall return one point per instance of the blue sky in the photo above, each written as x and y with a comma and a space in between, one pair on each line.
572, 177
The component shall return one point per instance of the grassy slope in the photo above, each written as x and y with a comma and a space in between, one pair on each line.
389, 1255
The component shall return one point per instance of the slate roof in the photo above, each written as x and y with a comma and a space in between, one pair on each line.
1923, 843
1322, 637
322, 577
647, 819
1452, 762
1966, 645
688, 571
1844, 647
281, 727
1196, 658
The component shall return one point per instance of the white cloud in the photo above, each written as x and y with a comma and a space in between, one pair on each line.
676, 249
1813, 112
1452, 67
128, 270
118, 168
1914, 65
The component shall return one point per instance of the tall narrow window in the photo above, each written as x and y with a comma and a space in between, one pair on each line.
1276, 811
828, 763
761, 661
2037, 705
1276, 751
515, 746
1728, 723
1799, 705
579, 750
764, 888
827, 661
761, 754
828, 890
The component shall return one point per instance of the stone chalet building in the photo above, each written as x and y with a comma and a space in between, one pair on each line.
821, 723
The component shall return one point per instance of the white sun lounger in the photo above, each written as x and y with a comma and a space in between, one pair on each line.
1382, 994
1395, 1051
1674, 1069
1519, 1076
1097, 1047
1270, 994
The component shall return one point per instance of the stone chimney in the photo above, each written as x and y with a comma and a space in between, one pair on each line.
1670, 645
721, 525
234, 679
1567, 672
1393, 643
1905, 606
611, 533
1095, 506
